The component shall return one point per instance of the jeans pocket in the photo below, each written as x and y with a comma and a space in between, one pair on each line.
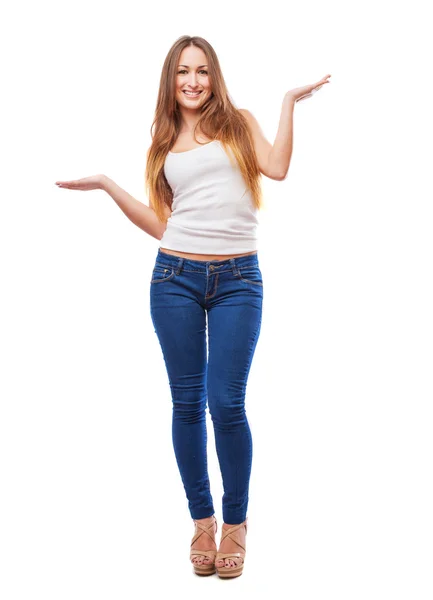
251, 274
161, 274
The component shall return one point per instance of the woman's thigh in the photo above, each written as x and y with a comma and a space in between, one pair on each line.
234, 325
179, 321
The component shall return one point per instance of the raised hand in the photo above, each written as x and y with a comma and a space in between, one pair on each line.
302, 93
94, 182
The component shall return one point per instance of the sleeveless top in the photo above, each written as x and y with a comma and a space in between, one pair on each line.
212, 209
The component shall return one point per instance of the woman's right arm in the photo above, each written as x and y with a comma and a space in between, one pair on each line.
141, 215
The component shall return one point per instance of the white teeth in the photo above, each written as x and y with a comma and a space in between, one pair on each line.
191, 93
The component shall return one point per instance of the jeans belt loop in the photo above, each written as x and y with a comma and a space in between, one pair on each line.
235, 269
179, 265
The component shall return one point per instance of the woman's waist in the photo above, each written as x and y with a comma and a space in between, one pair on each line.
204, 257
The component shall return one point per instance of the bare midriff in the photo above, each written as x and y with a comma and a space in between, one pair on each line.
205, 256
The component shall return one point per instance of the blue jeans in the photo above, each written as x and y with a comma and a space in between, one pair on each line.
229, 293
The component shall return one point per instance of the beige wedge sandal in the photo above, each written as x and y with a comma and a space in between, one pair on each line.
200, 529
232, 571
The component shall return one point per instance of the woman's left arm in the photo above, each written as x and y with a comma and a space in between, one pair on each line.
274, 161
264, 149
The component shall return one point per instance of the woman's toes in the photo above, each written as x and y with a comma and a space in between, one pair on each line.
229, 563
201, 560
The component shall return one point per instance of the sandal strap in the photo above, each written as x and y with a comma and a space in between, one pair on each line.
230, 555
208, 553
229, 533
200, 529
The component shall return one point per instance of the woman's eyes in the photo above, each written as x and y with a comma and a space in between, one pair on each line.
184, 71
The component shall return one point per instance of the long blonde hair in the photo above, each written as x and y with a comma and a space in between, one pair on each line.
219, 120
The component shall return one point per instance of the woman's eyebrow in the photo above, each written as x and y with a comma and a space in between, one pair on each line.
197, 67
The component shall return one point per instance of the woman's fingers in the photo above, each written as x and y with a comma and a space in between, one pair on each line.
94, 182
73, 185
324, 79
67, 183
87, 183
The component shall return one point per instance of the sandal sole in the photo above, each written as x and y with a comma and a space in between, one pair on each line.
231, 572
204, 571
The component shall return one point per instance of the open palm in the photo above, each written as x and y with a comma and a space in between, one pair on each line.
306, 91
86, 183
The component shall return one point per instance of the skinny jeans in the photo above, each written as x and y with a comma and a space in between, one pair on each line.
207, 317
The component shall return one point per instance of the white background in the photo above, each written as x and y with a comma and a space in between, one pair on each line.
340, 390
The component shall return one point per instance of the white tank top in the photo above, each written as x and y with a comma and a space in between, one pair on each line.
212, 210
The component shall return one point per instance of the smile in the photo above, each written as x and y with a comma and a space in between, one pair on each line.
192, 94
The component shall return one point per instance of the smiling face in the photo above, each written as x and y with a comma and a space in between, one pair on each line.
192, 76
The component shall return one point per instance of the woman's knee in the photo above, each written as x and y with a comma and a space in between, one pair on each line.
227, 410
189, 409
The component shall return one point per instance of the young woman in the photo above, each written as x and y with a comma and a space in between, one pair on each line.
203, 175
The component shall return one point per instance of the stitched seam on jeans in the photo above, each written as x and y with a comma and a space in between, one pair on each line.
215, 288
164, 279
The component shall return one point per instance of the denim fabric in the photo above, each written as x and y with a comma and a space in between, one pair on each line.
207, 317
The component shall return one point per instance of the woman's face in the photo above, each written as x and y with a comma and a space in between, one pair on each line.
192, 75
